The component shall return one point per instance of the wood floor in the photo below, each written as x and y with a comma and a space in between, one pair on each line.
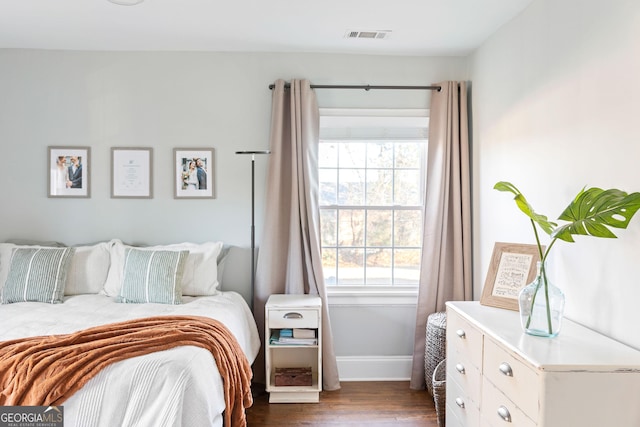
373, 404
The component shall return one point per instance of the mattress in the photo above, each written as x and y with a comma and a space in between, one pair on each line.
177, 387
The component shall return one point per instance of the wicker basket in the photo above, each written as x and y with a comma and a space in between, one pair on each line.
435, 346
439, 382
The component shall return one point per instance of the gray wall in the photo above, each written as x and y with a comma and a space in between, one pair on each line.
166, 100
556, 108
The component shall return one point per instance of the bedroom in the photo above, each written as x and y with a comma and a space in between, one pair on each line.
554, 83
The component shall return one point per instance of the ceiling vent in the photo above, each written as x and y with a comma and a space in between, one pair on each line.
380, 34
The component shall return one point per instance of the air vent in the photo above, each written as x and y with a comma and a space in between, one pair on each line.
380, 34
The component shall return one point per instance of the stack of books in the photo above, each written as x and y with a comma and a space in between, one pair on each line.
297, 336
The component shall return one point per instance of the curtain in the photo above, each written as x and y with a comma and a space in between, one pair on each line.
289, 260
445, 273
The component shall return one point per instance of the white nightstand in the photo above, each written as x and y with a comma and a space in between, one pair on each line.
293, 312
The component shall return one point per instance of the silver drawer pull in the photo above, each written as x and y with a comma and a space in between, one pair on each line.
505, 368
460, 368
460, 402
292, 315
504, 414
461, 334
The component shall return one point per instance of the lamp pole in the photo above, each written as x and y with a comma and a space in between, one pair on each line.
253, 225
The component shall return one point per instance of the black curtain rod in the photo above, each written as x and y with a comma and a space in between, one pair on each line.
365, 87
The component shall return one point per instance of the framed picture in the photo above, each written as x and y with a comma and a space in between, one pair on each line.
69, 172
131, 172
512, 267
193, 173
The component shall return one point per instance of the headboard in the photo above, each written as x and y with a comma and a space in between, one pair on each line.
235, 263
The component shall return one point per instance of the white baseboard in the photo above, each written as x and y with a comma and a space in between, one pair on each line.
374, 368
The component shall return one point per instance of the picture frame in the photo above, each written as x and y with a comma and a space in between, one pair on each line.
193, 173
513, 266
131, 173
69, 171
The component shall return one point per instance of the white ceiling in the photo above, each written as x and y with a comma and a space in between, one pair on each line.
419, 27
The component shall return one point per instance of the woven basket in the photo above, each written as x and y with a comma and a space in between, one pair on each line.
439, 382
435, 346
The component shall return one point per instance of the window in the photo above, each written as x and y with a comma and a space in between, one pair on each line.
371, 169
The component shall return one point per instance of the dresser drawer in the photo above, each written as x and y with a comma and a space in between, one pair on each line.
466, 412
499, 411
293, 318
467, 376
515, 379
464, 338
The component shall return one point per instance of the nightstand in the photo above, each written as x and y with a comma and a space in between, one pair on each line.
301, 315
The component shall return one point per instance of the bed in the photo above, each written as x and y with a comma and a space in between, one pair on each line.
111, 282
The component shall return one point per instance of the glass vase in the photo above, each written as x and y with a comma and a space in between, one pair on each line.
541, 306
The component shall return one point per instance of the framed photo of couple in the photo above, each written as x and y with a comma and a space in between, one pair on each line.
69, 169
193, 173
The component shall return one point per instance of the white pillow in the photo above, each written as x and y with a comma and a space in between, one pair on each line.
200, 275
88, 269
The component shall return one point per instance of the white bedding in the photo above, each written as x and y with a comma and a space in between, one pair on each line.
177, 387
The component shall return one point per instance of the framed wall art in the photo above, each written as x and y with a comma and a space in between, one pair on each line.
131, 172
512, 267
69, 169
193, 173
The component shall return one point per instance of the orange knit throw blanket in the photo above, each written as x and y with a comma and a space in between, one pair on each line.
47, 370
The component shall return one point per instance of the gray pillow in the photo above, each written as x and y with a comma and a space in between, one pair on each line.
37, 274
152, 276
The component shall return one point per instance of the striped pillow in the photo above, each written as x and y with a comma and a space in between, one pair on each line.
37, 274
152, 276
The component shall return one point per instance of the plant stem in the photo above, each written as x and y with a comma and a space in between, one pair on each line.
542, 276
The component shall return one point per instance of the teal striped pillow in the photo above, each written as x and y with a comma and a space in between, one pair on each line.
152, 276
37, 274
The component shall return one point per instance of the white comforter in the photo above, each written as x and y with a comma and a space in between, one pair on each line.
177, 387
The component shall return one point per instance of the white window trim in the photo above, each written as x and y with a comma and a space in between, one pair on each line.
374, 295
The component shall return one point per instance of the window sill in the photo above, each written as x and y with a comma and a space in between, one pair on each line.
372, 297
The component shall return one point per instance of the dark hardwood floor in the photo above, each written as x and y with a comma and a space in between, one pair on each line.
372, 404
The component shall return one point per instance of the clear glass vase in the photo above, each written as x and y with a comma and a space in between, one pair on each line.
541, 306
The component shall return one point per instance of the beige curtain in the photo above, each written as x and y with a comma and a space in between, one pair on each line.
446, 249
289, 260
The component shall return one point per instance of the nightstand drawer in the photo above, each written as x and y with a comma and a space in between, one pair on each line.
512, 377
293, 318
464, 338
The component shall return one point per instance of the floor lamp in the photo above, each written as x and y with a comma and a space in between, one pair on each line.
253, 225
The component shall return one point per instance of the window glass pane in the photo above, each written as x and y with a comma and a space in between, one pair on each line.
408, 227
351, 186
328, 226
350, 266
406, 266
329, 266
351, 227
328, 155
409, 155
352, 154
328, 186
379, 228
406, 188
379, 271
380, 154
379, 187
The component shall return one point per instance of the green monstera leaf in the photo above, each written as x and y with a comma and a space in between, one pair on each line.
591, 213
594, 210
525, 207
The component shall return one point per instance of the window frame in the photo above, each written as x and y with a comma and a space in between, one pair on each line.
369, 118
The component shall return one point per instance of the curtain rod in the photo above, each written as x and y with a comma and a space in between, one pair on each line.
365, 87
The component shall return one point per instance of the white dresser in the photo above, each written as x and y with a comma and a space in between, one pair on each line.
497, 376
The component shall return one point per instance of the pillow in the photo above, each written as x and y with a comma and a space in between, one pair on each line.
88, 269
200, 275
37, 274
152, 276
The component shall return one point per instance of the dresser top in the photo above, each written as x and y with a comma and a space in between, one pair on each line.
575, 348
